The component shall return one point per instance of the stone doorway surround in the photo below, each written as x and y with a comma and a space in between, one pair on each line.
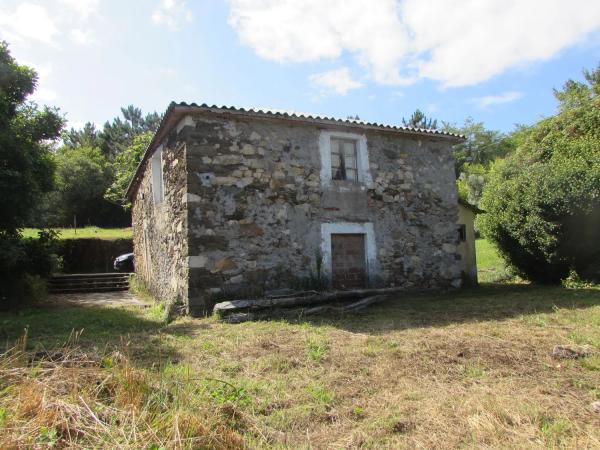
329, 228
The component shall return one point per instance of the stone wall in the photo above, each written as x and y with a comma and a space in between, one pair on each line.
256, 204
160, 230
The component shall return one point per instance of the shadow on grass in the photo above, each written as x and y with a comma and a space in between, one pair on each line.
100, 330
486, 303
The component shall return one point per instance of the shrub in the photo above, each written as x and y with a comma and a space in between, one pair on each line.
24, 263
543, 201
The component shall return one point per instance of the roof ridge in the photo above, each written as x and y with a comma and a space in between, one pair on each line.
307, 116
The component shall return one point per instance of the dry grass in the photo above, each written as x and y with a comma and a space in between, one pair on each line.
470, 369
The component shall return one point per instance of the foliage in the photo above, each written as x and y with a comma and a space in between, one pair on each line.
94, 169
474, 157
575, 94
125, 165
21, 262
26, 133
481, 146
418, 119
26, 170
543, 201
83, 174
471, 181
120, 134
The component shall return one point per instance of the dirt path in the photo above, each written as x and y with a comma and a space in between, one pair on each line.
118, 298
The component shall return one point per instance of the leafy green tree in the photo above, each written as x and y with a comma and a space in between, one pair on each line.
26, 171
481, 146
418, 119
26, 133
543, 201
575, 93
125, 165
119, 134
474, 157
88, 136
82, 176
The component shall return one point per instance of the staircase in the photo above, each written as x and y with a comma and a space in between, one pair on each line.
88, 282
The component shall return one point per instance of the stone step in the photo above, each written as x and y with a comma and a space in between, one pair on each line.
75, 276
66, 290
88, 282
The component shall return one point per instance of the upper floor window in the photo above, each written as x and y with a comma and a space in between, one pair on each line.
157, 176
343, 159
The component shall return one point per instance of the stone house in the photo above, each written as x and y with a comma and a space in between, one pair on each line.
230, 202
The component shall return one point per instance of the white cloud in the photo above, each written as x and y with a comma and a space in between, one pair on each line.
455, 42
489, 100
338, 81
84, 8
80, 36
28, 22
172, 14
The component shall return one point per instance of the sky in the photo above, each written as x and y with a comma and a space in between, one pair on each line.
496, 61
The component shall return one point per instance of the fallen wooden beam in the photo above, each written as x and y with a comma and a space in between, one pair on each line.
239, 317
289, 302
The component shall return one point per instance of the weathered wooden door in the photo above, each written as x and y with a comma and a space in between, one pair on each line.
348, 265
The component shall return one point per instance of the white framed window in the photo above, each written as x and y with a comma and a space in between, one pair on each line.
157, 176
344, 157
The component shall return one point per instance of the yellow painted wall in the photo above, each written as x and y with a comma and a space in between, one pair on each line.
466, 249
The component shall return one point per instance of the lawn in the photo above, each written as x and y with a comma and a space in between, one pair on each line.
469, 369
86, 232
490, 265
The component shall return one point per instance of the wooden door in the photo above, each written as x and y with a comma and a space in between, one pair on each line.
348, 264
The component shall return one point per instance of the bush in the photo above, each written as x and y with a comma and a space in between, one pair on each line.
24, 264
543, 202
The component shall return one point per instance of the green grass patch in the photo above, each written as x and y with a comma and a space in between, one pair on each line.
84, 233
491, 268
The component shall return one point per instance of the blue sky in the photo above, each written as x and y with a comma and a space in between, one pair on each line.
496, 61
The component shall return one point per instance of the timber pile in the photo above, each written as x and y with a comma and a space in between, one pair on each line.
298, 304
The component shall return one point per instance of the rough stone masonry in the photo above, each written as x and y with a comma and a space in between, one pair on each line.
230, 203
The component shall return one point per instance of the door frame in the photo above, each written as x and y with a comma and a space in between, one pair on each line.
366, 228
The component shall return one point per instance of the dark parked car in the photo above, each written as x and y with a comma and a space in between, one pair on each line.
124, 263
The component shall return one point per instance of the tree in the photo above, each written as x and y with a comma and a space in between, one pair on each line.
481, 146
473, 158
25, 135
88, 136
26, 169
543, 201
124, 167
117, 135
82, 177
575, 93
420, 120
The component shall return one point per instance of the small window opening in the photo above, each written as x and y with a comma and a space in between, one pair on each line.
343, 159
157, 177
462, 233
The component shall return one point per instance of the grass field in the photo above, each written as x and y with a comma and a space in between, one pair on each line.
87, 232
470, 369
490, 265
